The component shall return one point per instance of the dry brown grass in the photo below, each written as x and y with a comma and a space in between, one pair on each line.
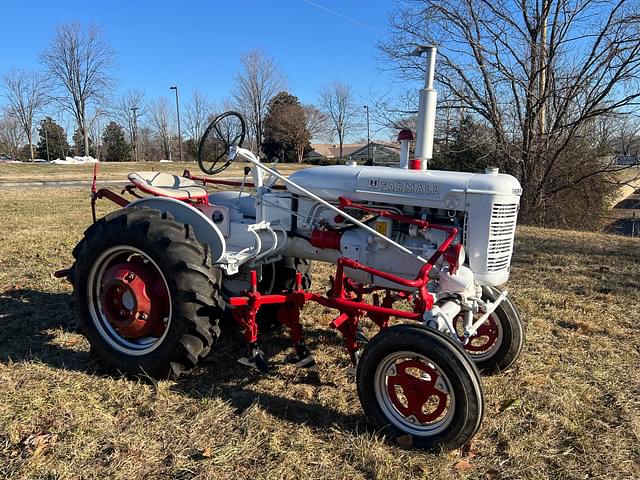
24, 172
63, 416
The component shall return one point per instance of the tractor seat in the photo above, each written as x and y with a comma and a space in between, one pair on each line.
169, 185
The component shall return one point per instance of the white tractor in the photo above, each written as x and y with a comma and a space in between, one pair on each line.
153, 279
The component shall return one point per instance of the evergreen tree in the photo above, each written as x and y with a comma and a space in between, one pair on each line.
285, 132
470, 150
52, 138
78, 144
116, 148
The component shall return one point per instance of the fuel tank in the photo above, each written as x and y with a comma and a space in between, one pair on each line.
431, 188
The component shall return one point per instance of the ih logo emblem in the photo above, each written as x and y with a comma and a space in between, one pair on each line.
373, 183
452, 201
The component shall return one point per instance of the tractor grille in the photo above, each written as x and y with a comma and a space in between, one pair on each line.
501, 232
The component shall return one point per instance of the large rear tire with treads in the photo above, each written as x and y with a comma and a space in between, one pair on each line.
147, 293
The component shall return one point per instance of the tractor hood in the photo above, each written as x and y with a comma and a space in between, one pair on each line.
400, 186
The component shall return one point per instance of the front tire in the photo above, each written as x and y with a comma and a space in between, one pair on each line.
146, 292
499, 341
419, 388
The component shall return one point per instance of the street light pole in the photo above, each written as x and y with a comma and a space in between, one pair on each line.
366, 107
135, 133
178, 112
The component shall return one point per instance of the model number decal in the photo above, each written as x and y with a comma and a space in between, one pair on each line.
403, 187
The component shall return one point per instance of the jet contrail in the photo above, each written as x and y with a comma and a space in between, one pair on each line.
344, 17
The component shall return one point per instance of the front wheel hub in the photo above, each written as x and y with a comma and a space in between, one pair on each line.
415, 394
486, 338
134, 300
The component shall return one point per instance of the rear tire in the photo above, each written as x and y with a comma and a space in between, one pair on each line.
176, 277
419, 388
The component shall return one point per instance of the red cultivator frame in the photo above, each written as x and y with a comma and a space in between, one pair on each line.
345, 296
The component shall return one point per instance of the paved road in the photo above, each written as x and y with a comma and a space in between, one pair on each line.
80, 183
60, 183
628, 213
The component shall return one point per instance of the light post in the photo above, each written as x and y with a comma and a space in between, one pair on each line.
366, 107
135, 133
178, 113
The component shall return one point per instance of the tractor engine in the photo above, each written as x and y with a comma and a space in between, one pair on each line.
483, 207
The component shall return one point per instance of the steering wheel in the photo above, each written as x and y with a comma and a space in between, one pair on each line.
225, 131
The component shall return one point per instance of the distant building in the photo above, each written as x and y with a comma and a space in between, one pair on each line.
381, 152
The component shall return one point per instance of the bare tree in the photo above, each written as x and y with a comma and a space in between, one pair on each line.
129, 110
338, 103
317, 122
26, 94
146, 145
624, 135
162, 124
96, 126
197, 113
539, 73
80, 61
11, 136
257, 83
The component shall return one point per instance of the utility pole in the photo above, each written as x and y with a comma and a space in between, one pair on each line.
175, 87
135, 133
366, 107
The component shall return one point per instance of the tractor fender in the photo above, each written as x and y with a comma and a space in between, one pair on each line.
205, 230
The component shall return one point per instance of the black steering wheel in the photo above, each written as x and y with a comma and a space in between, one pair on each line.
225, 131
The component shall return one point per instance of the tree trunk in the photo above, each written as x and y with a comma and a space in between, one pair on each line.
30, 140
85, 134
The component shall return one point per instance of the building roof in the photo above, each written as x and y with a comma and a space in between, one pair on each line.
332, 150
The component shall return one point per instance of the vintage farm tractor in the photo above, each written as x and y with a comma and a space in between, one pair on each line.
153, 279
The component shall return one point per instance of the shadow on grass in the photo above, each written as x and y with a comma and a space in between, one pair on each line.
31, 320
276, 393
28, 319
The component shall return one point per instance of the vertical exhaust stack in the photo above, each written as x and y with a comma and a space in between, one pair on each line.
427, 108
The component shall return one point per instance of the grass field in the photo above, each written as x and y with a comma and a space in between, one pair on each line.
569, 409
24, 172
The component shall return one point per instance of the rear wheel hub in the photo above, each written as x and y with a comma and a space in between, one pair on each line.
134, 299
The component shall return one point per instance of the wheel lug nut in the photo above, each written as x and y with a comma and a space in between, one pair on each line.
122, 313
130, 276
143, 316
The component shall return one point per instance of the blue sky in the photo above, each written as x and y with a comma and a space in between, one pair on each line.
197, 44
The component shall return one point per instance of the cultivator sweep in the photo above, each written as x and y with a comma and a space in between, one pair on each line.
153, 279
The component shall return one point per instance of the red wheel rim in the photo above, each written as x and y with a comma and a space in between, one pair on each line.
414, 393
485, 339
134, 299
422, 399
